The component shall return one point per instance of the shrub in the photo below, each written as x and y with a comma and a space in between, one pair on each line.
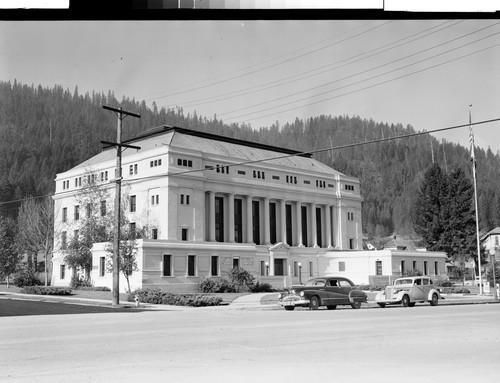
40, 290
241, 279
26, 277
215, 285
157, 296
262, 288
445, 283
78, 281
94, 288
370, 287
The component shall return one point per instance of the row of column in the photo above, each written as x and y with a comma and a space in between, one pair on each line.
332, 237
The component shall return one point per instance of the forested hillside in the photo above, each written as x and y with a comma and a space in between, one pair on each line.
44, 131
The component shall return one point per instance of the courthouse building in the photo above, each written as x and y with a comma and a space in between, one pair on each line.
210, 203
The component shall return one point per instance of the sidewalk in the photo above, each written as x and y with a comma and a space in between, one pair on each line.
256, 301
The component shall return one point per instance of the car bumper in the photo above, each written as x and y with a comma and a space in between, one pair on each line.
294, 302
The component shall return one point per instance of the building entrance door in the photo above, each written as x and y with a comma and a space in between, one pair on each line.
279, 266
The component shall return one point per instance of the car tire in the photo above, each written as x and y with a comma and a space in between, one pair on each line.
405, 302
289, 308
434, 300
356, 305
331, 307
314, 303
381, 305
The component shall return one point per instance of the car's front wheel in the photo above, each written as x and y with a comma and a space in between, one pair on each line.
434, 300
314, 303
356, 305
405, 302
289, 308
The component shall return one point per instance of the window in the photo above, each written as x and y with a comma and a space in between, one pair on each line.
76, 235
132, 203
77, 212
350, 216
436, 268
184, 234
183, 162
341, 266
238, 221
311, 269
185, 199
351, 243
219, 219
414, 265
349, 187
155, 199
214, 266
291, 179
155, 233
307, 182
103, 208
295, 269
262, 268
378, 267
403, 267
236, 262
259, 174
167, 265
62, 271
191, 266
320, 184
89, 210
65, 214
242, 172
102, 265
425, 268
276, 177
64, 243
132, 228
155, 163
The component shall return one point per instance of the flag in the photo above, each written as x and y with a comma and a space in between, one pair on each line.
471, 137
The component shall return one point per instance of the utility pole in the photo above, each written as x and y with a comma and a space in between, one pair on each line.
118, 180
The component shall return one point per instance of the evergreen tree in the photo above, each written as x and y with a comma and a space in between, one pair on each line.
431, 208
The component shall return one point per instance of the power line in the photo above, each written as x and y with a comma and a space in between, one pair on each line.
362, 72
308, 74
269, 66
354, 91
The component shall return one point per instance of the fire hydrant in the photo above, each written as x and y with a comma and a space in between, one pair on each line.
136, 300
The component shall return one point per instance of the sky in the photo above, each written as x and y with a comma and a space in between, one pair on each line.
423, 73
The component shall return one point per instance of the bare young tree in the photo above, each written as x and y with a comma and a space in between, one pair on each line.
36, 231
95, 224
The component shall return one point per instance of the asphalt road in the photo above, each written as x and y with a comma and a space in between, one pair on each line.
420, 344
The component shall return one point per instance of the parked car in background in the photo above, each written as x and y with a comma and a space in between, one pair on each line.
409, 290
328, 291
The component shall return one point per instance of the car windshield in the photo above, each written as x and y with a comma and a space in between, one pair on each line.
403, 282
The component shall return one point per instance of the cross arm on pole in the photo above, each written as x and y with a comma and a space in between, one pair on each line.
109, 143
121, 111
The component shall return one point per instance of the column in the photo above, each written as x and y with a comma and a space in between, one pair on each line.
249, 220
211, 216
313, 225
335, 226
267, 228
298, 213
328, 227
340, 245
231, 217
283, 221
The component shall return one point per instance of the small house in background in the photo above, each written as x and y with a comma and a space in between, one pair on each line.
491, 240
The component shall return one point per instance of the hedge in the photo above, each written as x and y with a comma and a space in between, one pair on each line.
41, 290
157, 296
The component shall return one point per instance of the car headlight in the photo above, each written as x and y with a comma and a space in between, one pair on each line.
301, 294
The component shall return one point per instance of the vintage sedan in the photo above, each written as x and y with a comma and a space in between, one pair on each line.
328, 291
409, 290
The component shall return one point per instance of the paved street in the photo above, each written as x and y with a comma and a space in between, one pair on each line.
424, 344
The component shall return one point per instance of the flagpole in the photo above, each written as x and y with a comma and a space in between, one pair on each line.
473, 157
